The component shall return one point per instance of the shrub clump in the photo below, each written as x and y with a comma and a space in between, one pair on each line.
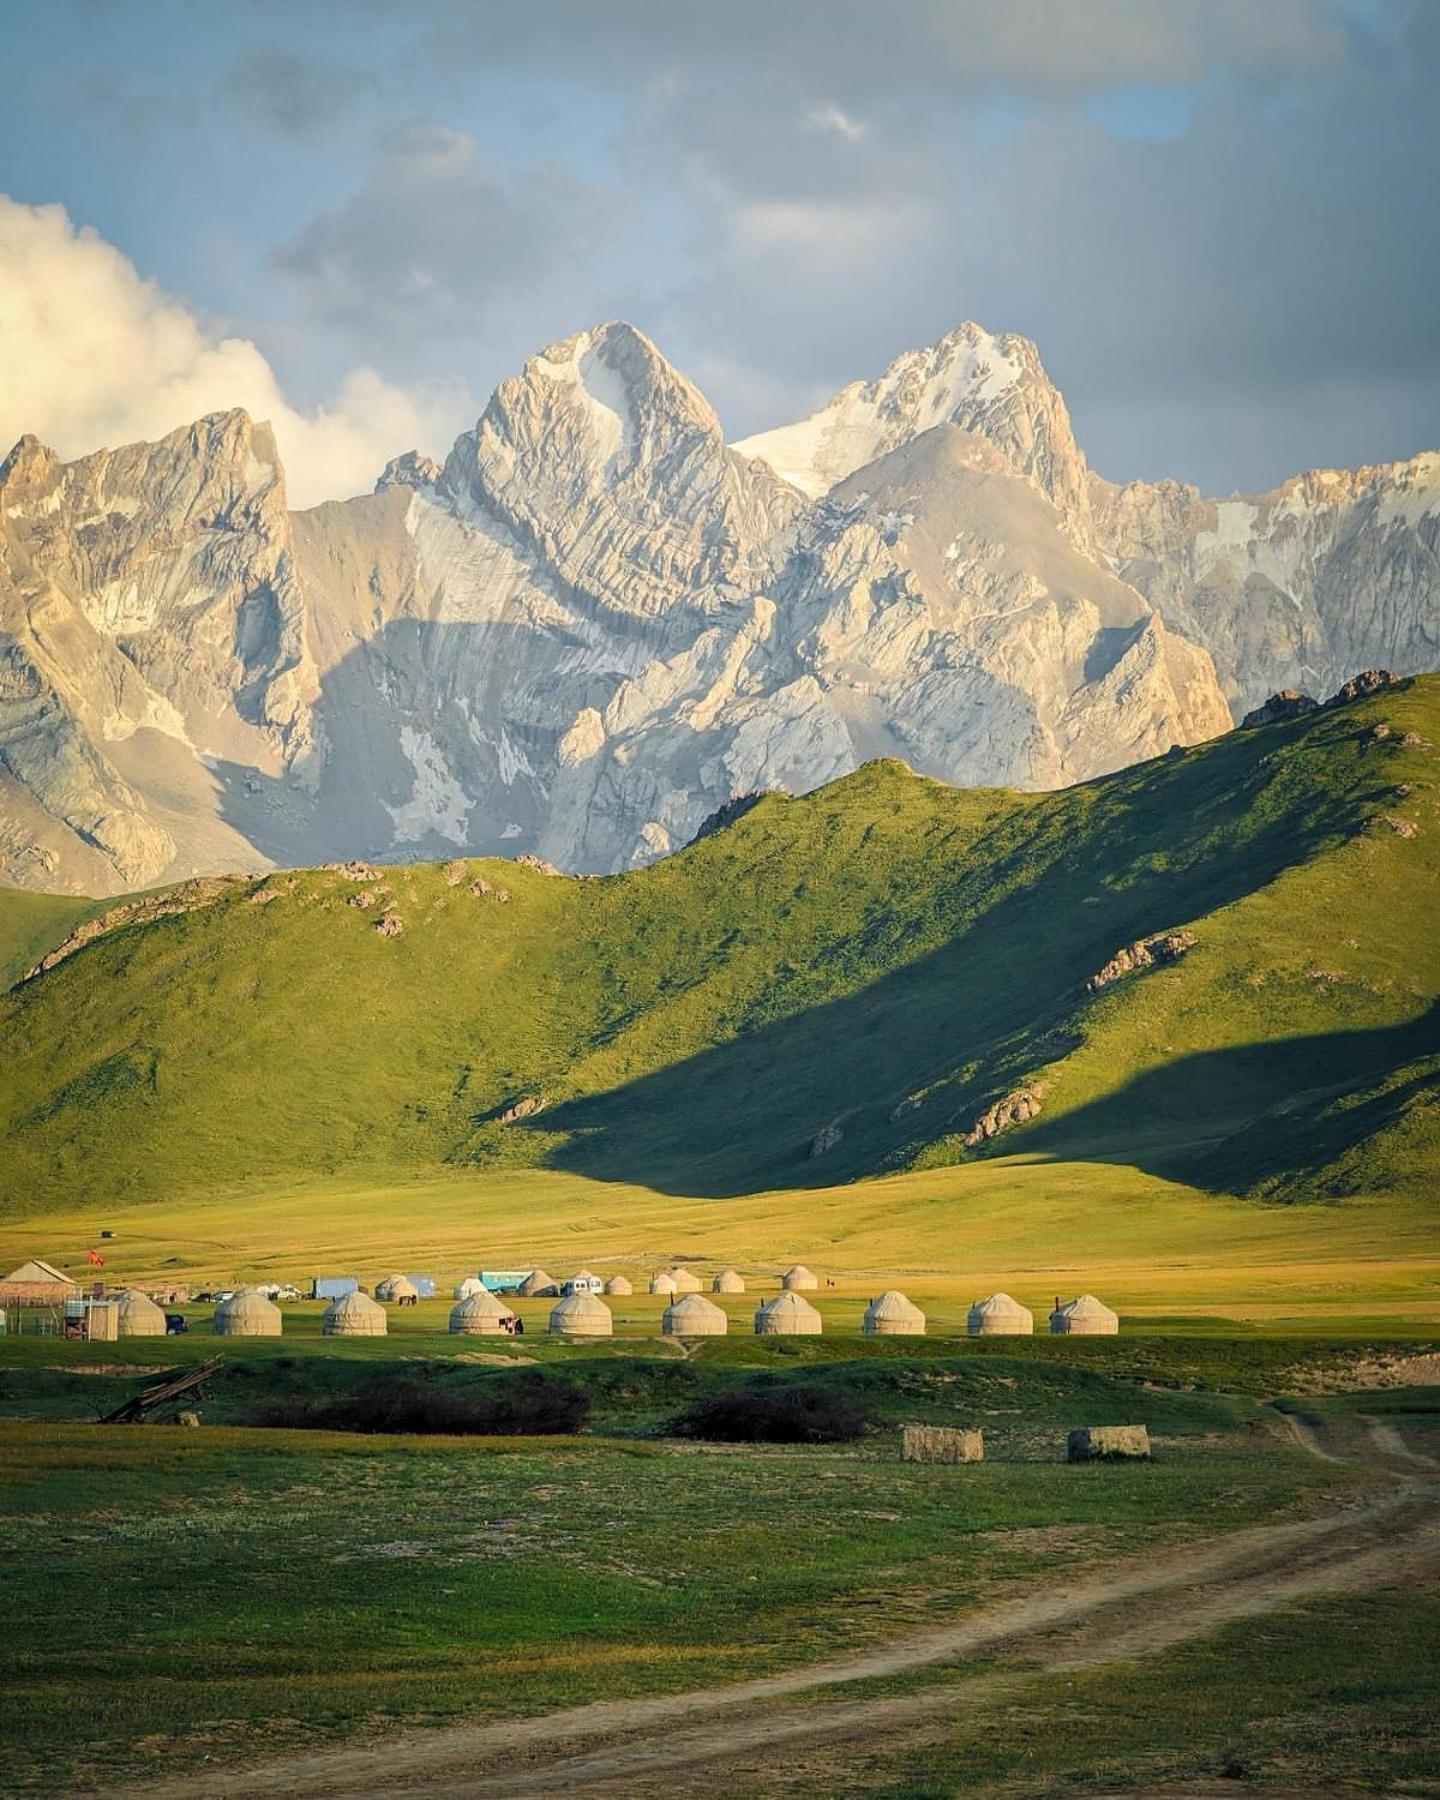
774, 1413
526, 1404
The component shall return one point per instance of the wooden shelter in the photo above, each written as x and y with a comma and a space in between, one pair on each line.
36, 1283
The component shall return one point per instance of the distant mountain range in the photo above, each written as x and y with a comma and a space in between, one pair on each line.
597, 622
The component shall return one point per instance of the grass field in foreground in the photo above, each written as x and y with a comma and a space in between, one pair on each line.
1149, 1247
209, 1594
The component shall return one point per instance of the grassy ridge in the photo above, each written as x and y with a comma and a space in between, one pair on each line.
886, 956
32, 924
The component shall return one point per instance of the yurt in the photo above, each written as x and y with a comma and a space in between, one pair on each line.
692, 1315
537, 1285
892, 1315
787, 1315
663, 1282
247, 1314
396, 1288
618, 1284
354, 1315
728, 1281
1000, 1316
481, 1315
1085, 1317
472, 1284
581, 1315
799, 1279
686, 1282
138, 1316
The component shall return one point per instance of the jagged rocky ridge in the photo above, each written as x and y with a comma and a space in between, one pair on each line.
597, 623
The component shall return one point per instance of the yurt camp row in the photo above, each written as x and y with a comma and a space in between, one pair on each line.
583, 1314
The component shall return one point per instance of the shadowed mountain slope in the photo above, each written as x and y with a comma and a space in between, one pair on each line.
858, 980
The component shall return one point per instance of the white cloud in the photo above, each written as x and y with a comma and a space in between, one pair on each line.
831, 118
93, 355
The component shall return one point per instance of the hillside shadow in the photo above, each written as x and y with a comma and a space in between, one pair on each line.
1228, 1120
980, 1013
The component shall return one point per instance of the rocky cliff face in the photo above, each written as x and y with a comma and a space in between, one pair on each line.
596, 623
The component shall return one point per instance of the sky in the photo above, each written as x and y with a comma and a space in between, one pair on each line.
1216, 218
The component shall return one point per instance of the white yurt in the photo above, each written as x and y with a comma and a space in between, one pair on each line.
787, 1315
581, 1315
692, 1315
472, 1284
1085, 1317
537, 1285
354, 1315
481, 1315
728, 1281
662, 1282
619, 1284
396, 1287
137, 1315
686, 1282
799, 1279
1000, 1316
893, 1315
247, 1314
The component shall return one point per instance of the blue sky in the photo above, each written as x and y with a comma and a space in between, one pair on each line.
1216, 217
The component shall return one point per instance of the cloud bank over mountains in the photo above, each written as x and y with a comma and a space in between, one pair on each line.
93, 356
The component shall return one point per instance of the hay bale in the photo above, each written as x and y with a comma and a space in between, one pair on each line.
941, 1444
1097, 1443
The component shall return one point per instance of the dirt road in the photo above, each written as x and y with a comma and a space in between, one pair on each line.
632, 1747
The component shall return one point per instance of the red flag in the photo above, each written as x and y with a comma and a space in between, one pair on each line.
97, 1261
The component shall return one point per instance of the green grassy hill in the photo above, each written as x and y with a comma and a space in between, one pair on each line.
31, 924
885, 959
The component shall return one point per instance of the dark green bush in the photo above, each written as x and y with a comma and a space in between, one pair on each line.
526, 1404
774, 1413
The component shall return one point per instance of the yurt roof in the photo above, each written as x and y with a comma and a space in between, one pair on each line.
997, 1305
35, 1270
472, 1284
729, 1281
1085, 1307
788, 1302
686, 1281
248, 1303
892, 1304
580, 1306
132, 1300
619, 1284
582, 1275
399, 1287
663, 1282
538, 1278
796, 1269
483, 1305
354, 1305
694, 1306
